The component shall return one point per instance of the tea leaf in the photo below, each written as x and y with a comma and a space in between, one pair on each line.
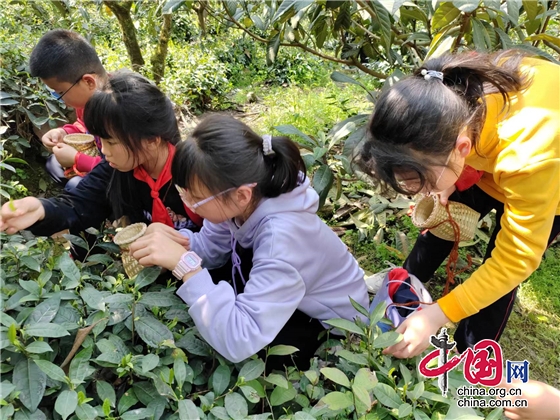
236, 406
31, 382
66, 403
53, 371
336, 375
220, 379
252, 370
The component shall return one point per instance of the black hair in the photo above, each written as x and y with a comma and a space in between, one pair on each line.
131, 110
223, 152
416, 122
65, 55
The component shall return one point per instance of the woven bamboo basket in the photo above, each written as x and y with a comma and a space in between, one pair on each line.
84, 143
430, 214
124, 239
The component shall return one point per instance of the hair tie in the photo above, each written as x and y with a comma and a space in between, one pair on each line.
267, 145
428, 74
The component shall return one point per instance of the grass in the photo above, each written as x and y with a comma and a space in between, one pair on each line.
533, 331
311, 110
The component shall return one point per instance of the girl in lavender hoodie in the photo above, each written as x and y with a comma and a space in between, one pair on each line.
259, 210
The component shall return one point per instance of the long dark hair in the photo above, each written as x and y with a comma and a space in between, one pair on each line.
223, 152
132, 110
416, 122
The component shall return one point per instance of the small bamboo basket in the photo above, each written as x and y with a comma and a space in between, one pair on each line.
124, 239
84, 143
429, 213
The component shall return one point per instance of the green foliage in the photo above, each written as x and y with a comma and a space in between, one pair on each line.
379, 37
25, 104
196, 79
85, 341
246, 64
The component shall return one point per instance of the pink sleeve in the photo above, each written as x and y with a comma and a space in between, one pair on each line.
79, 126
85, 163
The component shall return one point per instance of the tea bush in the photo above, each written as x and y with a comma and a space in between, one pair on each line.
83, 341
195, 78
246, 64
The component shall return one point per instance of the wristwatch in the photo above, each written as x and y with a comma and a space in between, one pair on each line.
189, 262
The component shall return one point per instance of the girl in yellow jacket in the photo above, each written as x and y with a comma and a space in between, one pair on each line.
499, 114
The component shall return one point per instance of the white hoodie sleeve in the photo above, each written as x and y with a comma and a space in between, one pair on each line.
239, 326
212, 244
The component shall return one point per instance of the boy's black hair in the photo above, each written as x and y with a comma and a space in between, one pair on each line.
223, 152
64, 55
131, 110
416, 122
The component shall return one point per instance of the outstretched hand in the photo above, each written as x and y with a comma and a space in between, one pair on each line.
157, 248
543, 401
416, 331
20, 214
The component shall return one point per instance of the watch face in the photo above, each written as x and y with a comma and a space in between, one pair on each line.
191, 260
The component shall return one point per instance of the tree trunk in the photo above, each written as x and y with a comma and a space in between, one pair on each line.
60, 8
201, 13
158, 58
122, 11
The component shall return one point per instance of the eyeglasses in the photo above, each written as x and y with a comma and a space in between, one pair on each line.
59, 96
404, 184
444, 168
194, 206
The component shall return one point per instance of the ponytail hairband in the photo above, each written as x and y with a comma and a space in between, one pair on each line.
267, 145
429, 74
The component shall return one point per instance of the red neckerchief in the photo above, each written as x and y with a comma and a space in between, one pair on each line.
159, 211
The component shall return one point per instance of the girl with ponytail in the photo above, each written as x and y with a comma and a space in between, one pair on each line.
289, 271
483, 130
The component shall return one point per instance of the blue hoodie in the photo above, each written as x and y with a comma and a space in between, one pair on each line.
298, 263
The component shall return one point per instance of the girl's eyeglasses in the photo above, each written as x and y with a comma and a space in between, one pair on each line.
194, 206
407, 183
59, 96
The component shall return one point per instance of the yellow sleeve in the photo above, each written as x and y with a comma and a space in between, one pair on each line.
531, 199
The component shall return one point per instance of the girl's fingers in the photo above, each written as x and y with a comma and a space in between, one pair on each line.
177, 237
404, 353
511, 414
139, 243
146, 261
401, 344
396, 348
141, 253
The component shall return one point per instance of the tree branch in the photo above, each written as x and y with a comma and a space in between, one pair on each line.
542, 29
315, 52
552, 46
368, 71
304, 47
236, 23
464, 25
367, 8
